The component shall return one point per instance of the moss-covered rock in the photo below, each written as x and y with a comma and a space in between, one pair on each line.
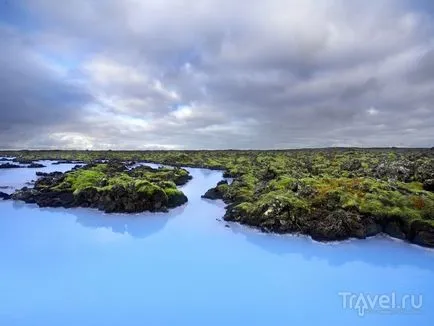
330, 208
110, 187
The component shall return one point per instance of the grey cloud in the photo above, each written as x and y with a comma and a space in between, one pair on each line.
423, 70
280, 73
33, 97
370, 85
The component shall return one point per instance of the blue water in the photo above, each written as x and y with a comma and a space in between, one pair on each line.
83, 267
20, 177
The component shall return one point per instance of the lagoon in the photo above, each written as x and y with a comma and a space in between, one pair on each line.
188, 267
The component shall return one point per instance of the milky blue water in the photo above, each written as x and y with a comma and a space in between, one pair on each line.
186, 267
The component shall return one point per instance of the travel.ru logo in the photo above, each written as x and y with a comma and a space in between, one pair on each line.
390, 303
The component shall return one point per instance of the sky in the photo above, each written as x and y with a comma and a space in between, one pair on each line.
216, 74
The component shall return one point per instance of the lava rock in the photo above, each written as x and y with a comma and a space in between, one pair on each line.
9, 166
4, 196
395, 171
372, 228
182, 179
228, 174
36, 165
22, 160
428, 185
222, 182
213, 193
422, 233
351, 165
394, 230
51, 174
424, 171
177, 200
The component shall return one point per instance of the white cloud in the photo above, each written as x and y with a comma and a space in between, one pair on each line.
183, 112
372, 111
104, 71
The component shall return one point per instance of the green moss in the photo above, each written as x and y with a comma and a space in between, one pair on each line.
223, 188
81, 179
181, 172
245, 208
167, 185
171, 192
282, 183
280, 204
147, 187
143, 182
120, 179
411, 186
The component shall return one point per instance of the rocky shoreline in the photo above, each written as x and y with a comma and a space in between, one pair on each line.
9, 166
110, 187
31, 165
323, 221
4, 196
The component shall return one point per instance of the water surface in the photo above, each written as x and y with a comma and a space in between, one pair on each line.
187, 267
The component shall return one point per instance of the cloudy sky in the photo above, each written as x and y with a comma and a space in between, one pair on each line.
144, 74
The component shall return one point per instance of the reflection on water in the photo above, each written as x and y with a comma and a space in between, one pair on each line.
84, 267
137, 226
341, 253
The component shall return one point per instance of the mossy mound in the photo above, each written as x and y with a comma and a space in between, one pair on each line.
333, 208
110, 187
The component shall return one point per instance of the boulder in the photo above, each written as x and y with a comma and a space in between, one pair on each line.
424, 238
428, 185
394, 230
422, 233
9, 166
351, 165
425, 171
44, 199
48, 180
395, 171
26, 195
336, 225
372, 228
213, 193
4, 196
177, 199
181, 178
228, 174
36, 165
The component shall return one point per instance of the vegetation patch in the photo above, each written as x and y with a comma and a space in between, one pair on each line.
111, 187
